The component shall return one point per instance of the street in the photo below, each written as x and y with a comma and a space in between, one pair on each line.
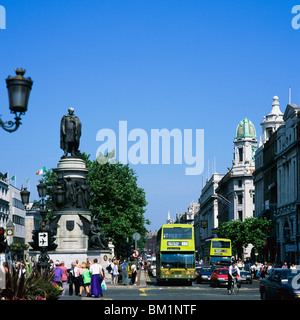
148, 289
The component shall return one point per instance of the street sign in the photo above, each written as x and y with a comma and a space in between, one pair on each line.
43, 239
136, 236
136, 253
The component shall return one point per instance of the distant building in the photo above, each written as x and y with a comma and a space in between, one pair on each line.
237, 185
230, 196
151, 238
169, 220
277, 182
236, 191
12, 210
206, 219
188, 216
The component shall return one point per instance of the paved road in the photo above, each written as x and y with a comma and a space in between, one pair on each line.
148, 289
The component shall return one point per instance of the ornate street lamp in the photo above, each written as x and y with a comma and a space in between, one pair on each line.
42, 189
25, 196
41, 205
18, 93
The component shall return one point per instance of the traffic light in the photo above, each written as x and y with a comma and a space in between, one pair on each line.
2, 240
52, 245
127, 249
35, 243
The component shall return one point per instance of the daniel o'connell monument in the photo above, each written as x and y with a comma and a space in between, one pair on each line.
78, 235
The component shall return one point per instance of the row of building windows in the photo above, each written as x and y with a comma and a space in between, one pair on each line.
18, 220
17, 204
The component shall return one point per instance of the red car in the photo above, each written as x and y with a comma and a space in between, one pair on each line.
219, 277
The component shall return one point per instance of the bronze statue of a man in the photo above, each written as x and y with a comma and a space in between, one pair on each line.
70, 132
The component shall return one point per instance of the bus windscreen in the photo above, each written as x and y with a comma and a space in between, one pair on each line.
177, 260
177, 233
220, 244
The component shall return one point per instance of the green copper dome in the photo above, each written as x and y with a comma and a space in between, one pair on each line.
245, 129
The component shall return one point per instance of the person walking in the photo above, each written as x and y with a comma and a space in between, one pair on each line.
97, 276
80, 279
57, 274
71, 278
115, 272
109, 266
124, 267
64, 277
133, 270
86, 276
76, 277
112, 270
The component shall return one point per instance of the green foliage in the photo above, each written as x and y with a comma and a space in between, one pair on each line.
250, 231
117, 201
32, 286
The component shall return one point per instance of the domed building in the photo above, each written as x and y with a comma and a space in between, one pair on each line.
245, 145
236, 189
245, 129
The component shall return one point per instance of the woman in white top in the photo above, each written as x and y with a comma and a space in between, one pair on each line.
97, 277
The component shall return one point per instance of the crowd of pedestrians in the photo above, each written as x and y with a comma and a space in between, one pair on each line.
260, 270
115, 268
82, 277
88, 278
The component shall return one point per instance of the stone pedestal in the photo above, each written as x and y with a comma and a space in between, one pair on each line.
70, 234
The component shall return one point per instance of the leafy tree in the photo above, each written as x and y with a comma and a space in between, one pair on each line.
116, 200
250, 231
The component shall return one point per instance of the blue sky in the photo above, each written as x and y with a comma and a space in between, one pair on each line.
156, 64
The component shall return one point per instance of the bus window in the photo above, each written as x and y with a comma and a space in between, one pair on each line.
186, 261
168, 260
221, 244
177, 233
178, 260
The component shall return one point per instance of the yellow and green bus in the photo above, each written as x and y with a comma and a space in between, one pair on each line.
175, 254
217, 252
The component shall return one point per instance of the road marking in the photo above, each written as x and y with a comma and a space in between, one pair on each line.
148, 278
144, 294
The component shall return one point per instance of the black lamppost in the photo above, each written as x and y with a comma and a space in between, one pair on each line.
18, 93
43, 238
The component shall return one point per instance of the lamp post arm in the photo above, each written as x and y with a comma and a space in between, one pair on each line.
11, 126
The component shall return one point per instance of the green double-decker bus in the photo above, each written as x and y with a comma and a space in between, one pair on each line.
217, 252
175, 254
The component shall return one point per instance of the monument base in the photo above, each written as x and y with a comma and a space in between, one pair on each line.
69, 257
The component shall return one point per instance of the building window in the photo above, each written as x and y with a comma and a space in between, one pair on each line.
18, 220
240, 154
240, 199
269, 132
240, 183
240, 213
17, 204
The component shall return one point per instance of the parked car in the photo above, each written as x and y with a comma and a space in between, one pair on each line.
282, 284
219, 277
245, 276
203, 274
